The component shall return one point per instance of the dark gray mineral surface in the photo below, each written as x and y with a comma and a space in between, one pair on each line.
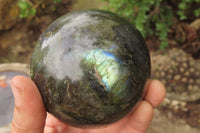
90, 67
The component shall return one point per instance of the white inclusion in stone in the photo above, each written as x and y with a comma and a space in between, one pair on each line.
109, 69
78, 21
64, 53
53, 40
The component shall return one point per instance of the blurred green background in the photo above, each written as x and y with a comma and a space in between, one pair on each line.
165, 25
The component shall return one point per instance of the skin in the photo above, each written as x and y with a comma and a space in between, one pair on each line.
30, 115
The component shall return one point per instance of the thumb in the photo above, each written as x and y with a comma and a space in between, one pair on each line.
29, 112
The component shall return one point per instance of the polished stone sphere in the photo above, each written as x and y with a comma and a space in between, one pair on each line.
90, 67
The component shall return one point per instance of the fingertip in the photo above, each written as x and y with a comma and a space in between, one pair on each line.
155, 93
144, 110
141, 118
26, 94
24, 90
22, 82
29, 111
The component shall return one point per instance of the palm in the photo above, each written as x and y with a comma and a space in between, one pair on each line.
54, 125
34, 119
135, 122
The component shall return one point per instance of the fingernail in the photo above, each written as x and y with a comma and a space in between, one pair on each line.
147, 83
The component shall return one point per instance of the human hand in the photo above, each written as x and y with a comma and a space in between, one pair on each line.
30, 115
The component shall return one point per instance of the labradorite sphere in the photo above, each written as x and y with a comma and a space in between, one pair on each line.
90, 67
